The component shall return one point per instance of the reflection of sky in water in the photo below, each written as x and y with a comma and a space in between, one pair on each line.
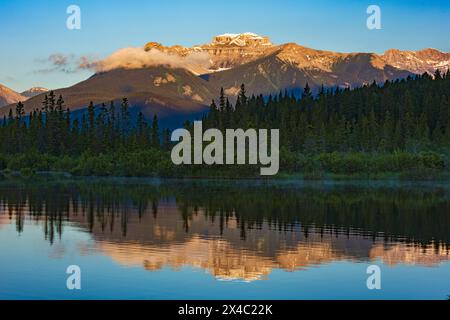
158, 259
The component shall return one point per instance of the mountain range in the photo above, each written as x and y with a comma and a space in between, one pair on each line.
179, 81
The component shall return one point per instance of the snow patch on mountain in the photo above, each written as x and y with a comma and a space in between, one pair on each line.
160, 80
34, 92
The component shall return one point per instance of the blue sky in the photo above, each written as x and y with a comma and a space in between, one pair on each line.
33, 30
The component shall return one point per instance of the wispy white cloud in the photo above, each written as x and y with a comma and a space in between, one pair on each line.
59, 62
134, 58
127, 58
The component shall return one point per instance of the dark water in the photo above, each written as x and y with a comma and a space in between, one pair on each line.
194, 240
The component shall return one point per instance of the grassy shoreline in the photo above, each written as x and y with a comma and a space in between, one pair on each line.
27, 174
422, 166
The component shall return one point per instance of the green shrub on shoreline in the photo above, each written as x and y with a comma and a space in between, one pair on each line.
157, 163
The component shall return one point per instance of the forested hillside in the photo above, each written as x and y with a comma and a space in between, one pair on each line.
399, 127
410, 115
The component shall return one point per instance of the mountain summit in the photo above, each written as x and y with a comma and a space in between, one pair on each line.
247, 39
33, 92
225, 51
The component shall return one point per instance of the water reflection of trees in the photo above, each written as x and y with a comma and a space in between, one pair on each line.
401, 214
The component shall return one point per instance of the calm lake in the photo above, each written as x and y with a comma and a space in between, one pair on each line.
154, 239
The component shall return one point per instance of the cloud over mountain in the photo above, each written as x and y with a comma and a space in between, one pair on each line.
136, 58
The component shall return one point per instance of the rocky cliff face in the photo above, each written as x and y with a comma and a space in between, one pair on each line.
427, 60
225, 51
230, 50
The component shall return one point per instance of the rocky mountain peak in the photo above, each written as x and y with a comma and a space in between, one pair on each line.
225, 51
33, 92
247, 39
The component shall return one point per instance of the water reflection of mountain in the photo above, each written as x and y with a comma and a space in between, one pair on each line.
164, 243
241, 232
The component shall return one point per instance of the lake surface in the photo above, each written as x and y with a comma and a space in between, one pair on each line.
151, 239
